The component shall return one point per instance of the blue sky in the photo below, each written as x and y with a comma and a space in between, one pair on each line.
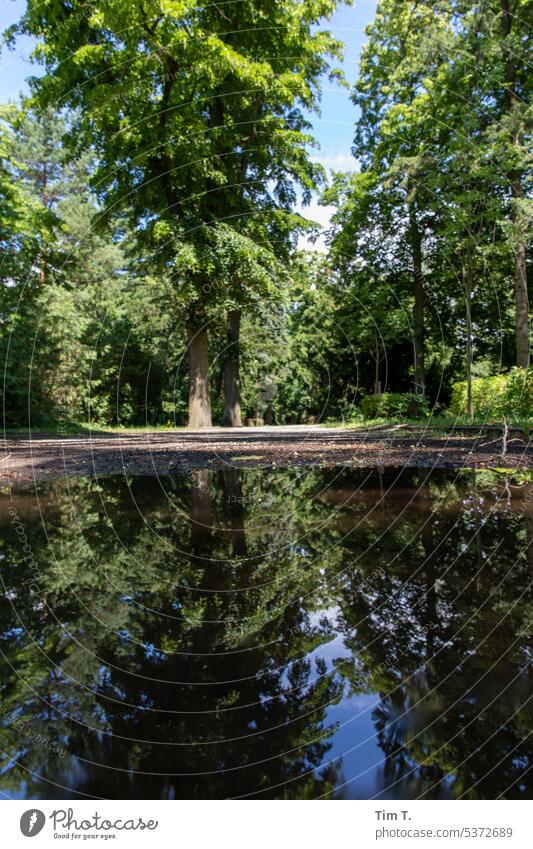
333, 129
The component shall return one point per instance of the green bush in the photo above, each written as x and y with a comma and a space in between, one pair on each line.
508, 395
394, 405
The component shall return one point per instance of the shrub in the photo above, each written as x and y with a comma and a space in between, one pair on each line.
394, 405
508, 395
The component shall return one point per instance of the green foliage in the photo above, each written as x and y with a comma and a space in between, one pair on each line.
509, 395
85, 337
394, 405
190, 129
162, 196
196, 118
444, 144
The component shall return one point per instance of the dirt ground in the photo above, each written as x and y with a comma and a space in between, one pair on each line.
45, 457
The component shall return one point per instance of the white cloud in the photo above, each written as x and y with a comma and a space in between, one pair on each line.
333, 159
321, 215
336, 159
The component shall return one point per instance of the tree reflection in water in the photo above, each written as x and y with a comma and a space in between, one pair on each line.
211, 635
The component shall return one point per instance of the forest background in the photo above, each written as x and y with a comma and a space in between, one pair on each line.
160, 177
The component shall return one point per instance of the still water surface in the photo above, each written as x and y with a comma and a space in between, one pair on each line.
331, 633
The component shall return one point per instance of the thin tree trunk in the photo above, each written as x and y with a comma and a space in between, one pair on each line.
377, 360
418, 307
521, 294
217, 388
44, 200
201, 508
478, 523
234, 500
529, 541
467, 284
377, 381
199, 398
232, 389
515, 179
430, 612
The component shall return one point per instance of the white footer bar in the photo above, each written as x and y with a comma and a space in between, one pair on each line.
268, 824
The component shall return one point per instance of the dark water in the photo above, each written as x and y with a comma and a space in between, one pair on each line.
328, 633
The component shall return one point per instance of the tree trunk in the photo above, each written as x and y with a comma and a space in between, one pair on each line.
467, 285
201, 509
268, 415
521, 294
232, 389
418, 308
199, 398
377, 381
529, 541
478, 523
44, 201
234, 500
515, 179
431, 619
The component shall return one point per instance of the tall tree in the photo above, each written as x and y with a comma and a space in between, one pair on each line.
443, 140
195, 114
26, 224
407, 44
497, 36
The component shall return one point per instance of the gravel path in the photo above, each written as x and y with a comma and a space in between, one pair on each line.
166, 452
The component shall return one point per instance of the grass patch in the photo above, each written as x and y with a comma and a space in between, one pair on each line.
86, 428
432, 423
